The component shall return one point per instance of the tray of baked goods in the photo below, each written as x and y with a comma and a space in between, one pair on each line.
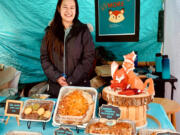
111, 127
157, 132
75, 106
22, 133
37, 110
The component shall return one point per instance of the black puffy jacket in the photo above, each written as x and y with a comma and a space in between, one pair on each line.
80, 54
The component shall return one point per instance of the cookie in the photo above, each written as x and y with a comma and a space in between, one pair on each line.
28, 110
40, 111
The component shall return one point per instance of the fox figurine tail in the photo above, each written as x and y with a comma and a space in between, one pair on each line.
150, 89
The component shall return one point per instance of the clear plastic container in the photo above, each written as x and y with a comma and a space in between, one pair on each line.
74, 120
111, 127
40, 102
40, 96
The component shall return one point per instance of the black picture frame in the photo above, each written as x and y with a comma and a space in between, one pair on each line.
132, 37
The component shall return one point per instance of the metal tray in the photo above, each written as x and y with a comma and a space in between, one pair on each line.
31, 101
22, 133
111, 121
66, 89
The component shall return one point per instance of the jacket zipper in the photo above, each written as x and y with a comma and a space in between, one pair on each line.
64, 57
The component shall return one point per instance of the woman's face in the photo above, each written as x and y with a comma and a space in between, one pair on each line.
67, 11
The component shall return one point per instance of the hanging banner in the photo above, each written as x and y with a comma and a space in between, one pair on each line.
117, 20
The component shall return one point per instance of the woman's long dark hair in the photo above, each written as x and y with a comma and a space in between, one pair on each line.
54, 37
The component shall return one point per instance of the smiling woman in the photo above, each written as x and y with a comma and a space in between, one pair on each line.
68, 12
67, 51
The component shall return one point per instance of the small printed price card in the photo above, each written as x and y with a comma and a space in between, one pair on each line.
63, 131
109, 112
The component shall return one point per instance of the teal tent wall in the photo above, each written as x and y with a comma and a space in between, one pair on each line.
22, 25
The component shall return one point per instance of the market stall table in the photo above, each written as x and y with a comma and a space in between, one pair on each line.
155, 110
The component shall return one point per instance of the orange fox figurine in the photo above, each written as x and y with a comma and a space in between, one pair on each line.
120, 80
125, 79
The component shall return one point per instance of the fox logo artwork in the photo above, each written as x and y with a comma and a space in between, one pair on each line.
116, 16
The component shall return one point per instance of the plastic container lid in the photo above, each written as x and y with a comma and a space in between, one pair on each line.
165, 56
155, 131
22, 133
158, 54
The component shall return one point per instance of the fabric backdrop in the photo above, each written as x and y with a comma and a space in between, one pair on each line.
22, 25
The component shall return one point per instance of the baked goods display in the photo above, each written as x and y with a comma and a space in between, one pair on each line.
75, 105
38, 110
100, 126
129, 92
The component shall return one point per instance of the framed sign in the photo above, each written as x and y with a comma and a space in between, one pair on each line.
117, 20
13, 108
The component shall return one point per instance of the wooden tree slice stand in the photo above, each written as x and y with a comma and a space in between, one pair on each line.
132, 107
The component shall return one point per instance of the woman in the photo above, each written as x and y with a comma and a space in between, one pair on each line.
67, 51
